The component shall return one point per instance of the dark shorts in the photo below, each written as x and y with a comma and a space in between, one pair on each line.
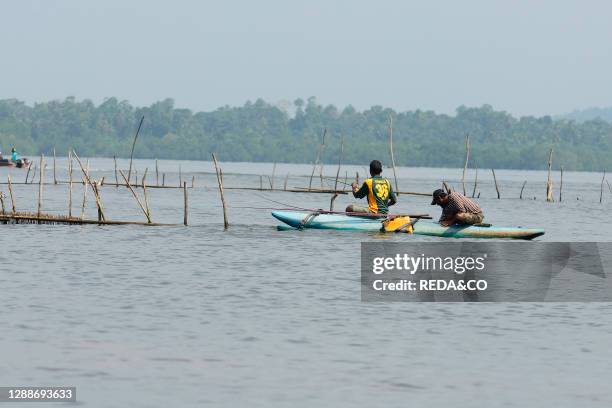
469, 218
360, 209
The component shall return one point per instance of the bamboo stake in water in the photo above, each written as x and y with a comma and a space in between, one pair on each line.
496, 186
156, 173
85, 186
2, 195
339, 162
164, 180
129, 186
116, 178
41, 178
561, 186
467, 158
10, 187
96, 192
319, 152
185, 204
180, 176
70, 184
272, 179
321, 174
33, 173
602, 184
144, 176
220, 182
391, 152
87, 178
192, 181
144, 192
475, 183
549, 192
286, 179
54, 174
522, 188
134, 145
27, 175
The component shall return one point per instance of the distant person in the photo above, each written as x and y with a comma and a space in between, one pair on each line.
377, 189
14, 154
457, 208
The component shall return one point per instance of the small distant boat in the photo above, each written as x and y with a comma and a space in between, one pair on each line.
20, 163
304, 219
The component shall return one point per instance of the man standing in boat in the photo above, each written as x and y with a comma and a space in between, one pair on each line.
457, 208
377, 189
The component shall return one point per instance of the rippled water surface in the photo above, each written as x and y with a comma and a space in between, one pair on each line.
174, 316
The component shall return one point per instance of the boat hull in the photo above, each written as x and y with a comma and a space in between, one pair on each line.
422, 227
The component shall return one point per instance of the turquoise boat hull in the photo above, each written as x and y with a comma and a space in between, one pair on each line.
422, 227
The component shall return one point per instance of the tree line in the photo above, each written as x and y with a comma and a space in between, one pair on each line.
260, 131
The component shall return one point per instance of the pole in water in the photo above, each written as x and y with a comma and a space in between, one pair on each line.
467, 158
185, 204
156, 173
54, 174
549, 191
272, 179
220, 182
391, 153
41, 178
339, 162
116, 178
496, 186
129, 186
69, 184
85, 186
146, 197
10, 187
602, 183
319, 152
134, 145
561, 186
475, 182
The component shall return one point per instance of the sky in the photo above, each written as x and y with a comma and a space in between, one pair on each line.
526, 57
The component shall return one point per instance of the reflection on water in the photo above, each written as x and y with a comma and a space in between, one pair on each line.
178, 316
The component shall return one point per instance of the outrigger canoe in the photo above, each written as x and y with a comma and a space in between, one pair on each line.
20, 163
306, 219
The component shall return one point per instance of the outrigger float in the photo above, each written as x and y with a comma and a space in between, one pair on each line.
420, 226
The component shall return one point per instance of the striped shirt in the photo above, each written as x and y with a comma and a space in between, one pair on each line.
458, 203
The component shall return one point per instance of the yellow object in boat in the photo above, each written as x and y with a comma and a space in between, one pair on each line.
398, 224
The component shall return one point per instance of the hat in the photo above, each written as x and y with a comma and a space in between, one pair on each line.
438, 193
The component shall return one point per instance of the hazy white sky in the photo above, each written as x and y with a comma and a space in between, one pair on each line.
527, 57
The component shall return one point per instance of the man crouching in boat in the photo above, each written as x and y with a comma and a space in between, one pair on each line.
379, 192
457, 208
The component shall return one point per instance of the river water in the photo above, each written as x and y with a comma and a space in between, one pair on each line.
182, 317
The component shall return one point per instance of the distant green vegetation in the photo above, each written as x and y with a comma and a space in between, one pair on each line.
259, 131
589, 114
